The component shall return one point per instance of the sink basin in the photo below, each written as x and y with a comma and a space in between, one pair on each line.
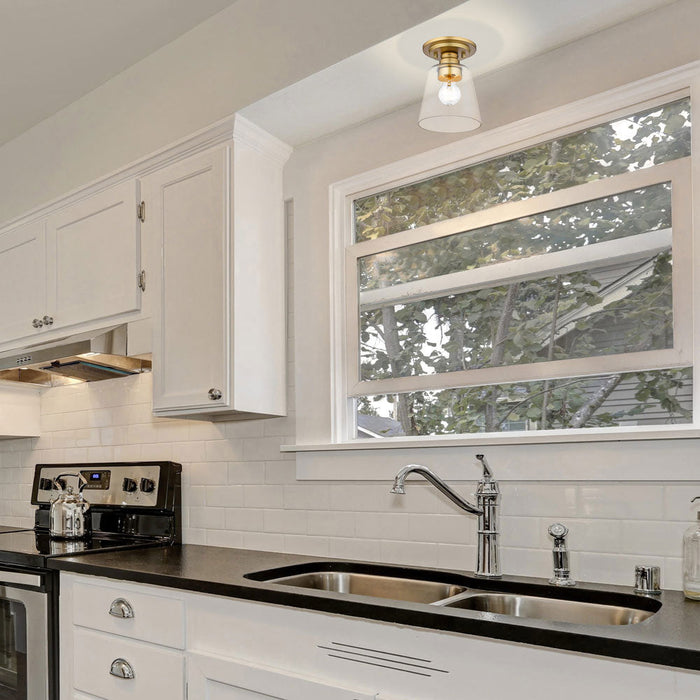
501, 598
394, 588
552, 609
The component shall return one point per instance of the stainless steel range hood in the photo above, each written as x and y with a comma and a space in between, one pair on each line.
86, 357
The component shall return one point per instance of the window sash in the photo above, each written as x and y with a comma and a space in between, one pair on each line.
676, 172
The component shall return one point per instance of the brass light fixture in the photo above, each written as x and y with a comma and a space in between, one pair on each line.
449, 101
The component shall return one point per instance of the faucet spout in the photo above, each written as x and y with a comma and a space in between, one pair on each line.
488, 496
437, 482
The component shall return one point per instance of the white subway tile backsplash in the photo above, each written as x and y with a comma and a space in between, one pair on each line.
308, 497
621, 501
612, 568
285, 521
351, 548
246, 473
645, 537
455, 556
544, 500
266, 541
249, 519
450, 529
677, 502
413, 553
303, 544
224, 538
263, 496
221, 496
332, 523
207, 518
393, 526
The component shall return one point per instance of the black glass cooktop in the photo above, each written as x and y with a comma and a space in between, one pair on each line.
30, 548
9, 528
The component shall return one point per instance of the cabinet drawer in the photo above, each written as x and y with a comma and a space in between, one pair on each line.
155, 618
158, 672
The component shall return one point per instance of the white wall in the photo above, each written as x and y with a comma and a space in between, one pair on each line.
241, 491
245, 52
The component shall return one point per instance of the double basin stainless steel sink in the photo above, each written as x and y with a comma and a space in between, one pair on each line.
342, 580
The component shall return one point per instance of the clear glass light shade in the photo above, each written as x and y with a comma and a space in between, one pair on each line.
463, 115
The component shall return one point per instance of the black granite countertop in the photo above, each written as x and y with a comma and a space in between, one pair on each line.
670, 637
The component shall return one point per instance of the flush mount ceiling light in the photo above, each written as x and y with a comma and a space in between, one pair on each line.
449, 101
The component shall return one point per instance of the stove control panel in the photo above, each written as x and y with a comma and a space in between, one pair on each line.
98, 479
118, 485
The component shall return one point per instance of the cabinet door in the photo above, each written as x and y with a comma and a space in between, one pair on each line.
219, 678
22, 281
93, 248
188, 207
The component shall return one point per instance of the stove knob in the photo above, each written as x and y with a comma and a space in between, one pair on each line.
129, 485
45, 484
148, 485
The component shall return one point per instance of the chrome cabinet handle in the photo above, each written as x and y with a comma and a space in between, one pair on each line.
121, 668
121, 608
37, 323
215, 394
48, 320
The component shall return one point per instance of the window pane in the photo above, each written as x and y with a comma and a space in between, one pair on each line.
637, 141
614, 308
617, 216
658, 397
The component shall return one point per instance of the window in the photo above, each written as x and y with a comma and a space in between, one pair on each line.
547, 288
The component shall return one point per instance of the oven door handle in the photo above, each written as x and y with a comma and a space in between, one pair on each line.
8, 578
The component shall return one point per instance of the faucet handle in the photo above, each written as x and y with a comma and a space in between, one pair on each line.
488, 474
558, 530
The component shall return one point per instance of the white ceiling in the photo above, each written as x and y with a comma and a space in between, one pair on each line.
391, 74
54, 51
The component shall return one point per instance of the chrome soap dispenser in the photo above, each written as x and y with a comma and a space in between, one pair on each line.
691, 559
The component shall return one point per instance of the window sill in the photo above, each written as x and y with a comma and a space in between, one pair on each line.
658, 454
512, 438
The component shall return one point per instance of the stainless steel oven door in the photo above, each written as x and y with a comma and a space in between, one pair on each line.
24, 671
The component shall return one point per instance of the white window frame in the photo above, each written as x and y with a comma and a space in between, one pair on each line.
684, 175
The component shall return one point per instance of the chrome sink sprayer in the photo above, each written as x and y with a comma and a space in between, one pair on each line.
488, 495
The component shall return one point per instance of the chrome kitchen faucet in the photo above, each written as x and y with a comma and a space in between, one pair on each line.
488, 495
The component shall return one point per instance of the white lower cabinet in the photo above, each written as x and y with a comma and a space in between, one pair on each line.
223, 678
239, 650
157, 672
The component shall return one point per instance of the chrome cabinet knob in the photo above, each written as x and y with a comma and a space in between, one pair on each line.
215, 394
121, 608
48, 320
37, 323
121, 668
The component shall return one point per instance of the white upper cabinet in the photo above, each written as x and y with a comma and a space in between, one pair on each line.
220, 326
187, 210
22, 281
75, 269
94, 248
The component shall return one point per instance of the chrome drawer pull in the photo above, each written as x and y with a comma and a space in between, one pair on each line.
121, 668
121, 608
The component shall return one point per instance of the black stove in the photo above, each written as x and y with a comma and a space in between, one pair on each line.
132, 504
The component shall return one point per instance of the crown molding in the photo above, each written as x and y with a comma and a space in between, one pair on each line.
223, 131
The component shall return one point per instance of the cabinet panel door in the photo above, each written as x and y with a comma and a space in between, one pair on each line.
219, 678
22, 281
94, 251
188, 204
